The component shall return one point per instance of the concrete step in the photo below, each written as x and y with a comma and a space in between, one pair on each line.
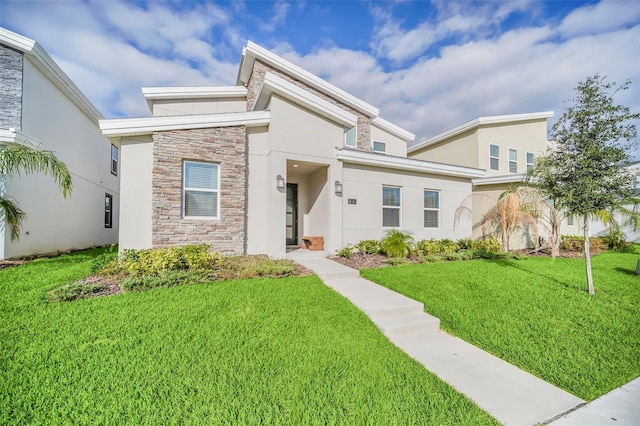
408, 325
404, 309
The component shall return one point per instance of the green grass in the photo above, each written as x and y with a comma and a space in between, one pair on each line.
536, 314
274, 351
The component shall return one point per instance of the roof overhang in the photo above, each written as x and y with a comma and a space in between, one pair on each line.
51, 70
121, 127
202, 92
13, 136
272, 84
478, 122
398, 131
408, 164
498, 180
253, 51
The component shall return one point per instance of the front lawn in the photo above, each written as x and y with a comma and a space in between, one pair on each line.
536, 314
275, 351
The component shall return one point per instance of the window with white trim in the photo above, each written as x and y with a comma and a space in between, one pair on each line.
494, 157
350, 137
570, 221
431, 208
108, 210
391, 204
513, 160
114, 160
531, 159
201, 190
380, 147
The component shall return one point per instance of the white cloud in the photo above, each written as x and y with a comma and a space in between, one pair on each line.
280, 10
607, 15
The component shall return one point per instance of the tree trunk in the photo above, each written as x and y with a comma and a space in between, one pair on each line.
587, 256
554, 240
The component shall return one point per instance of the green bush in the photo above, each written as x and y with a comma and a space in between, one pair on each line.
155, 261
491, 244
448, 246
165, 279
103, 261
397, 243
368, 246
394, 261
428, 247
432, 258
75, 290
346, 251
576, 243
465, 244
615, 239
466, 254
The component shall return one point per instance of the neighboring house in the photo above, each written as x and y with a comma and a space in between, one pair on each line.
506, 146
280, 157
40, 106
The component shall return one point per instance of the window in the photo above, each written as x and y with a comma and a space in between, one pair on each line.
431, 208
390, 206
380, 147
350, 137
494, 157
513, 160
531, 159
569, 220
114, 160
108, 210
201, 186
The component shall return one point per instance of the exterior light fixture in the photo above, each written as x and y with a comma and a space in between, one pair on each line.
280, 182
338, 188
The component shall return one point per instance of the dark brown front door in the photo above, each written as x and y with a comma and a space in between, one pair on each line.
292, 214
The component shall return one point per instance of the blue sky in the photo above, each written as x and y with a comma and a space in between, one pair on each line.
428, 66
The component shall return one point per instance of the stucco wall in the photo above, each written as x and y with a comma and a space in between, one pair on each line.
167, 107
53, 223
395, 145
461, 150
363, 220
10, 88
224, 146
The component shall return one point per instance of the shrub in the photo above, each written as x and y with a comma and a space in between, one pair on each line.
103, 261
259, 266
465, 244
491, 244
615, 239
448, 246
432, 258
466, 254
576, 243
346, 251
75, 290
428, 247
165, 279
368, 246
394, 261
155, 261
397, 243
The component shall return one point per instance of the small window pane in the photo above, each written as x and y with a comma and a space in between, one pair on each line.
494, 150
530, 157
430, 218
431, 199
108, 210
391, 217
350, 137
114, 159
513, 167
513, 155
201, 175
390, 196
494, 164
199, 203
379, 146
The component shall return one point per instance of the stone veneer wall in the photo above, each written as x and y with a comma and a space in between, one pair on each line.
10, 88
226, 146
255, 81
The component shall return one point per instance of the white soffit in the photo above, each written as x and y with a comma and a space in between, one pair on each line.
272, 84
200, 92
410, 164
393, 129
121, 127
480, 121
496, 180
43, 62
253, 51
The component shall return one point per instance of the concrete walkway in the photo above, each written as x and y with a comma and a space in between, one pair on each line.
512, 396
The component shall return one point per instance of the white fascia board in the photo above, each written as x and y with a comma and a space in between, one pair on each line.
393, 129
410, 164
475, 123
121, 127
13, 136
272, 84
495, 180
202, 92
253, 51
51, 70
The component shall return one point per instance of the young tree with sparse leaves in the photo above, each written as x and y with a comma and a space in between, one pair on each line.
16, 160
583, 174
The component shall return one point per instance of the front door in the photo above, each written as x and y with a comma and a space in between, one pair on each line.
292, 214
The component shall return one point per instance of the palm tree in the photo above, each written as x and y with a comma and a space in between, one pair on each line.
16, 160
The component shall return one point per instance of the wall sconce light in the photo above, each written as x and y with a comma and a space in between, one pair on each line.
280, 182
338, 188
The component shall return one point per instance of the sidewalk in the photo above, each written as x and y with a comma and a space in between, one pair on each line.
512, 396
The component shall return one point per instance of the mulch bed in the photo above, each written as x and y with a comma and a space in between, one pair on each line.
10, 263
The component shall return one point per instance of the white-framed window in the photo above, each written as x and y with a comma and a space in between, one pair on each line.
531, 159
350, 137
494, 157
391, 206
513, 160
201, 190
570, 220
380, 147
108, 210
431, 208
114, 160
